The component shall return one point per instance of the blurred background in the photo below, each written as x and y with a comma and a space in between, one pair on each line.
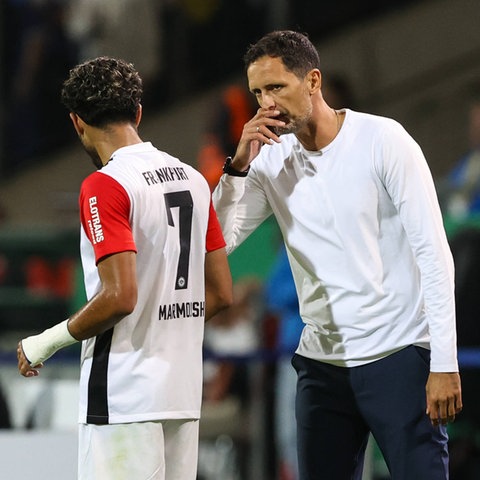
415, 61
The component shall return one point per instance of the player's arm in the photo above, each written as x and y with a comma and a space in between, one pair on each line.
218, 279
116, 299
218, 282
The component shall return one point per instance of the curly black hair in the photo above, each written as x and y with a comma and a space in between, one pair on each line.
103, 91
295, 49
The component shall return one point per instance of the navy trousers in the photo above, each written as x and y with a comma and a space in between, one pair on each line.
337, 408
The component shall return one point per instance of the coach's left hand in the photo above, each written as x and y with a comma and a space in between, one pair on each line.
444, 397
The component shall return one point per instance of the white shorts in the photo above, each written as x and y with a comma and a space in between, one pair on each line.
160, 450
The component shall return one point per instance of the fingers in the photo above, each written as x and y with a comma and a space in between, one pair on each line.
258, 131
265, 136
264, 125
444, 397
27, 371
265, 130
31, 373
443, 413
458, 404
436, 417
24, 365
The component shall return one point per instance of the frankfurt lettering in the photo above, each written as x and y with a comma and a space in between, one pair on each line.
182, 310
96, 230
164, 174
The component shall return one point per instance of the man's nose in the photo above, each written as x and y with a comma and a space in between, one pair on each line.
267, 101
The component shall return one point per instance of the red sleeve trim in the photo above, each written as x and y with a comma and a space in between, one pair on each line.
215, 238
105, 215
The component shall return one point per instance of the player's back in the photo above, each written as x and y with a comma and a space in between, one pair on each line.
160, 343
169, 215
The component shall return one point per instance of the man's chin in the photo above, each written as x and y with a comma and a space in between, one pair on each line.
283, 130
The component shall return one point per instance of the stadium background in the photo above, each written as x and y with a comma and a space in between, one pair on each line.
416, 61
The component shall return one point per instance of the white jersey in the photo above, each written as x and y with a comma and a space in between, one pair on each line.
365, 239
149, 366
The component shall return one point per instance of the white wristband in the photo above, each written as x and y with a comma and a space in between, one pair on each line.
39, 348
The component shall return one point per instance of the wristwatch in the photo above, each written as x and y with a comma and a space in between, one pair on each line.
229, 170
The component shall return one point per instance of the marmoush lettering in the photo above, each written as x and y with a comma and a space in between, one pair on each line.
181, 310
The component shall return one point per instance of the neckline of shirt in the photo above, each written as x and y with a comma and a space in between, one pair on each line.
136, 147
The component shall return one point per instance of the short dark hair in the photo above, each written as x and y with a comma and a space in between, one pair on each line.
103, 91
295, 49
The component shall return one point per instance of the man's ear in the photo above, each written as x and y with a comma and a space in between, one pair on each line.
138, 117
314, 78
78, 123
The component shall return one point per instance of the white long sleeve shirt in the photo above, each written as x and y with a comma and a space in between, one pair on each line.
365, 238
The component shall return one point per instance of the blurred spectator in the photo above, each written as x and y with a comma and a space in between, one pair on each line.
5, 421
465, 433
459, 195
230, 337
235, 107
39, 55
460, 190
127, 29
465, 246
231, 333
281, 300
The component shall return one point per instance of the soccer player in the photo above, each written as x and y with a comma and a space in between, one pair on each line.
155, 269
356, 205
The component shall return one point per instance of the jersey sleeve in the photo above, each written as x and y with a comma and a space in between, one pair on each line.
215, 238
104, 214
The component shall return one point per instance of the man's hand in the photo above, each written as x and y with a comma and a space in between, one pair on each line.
24, 365
256, 132
444, 397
